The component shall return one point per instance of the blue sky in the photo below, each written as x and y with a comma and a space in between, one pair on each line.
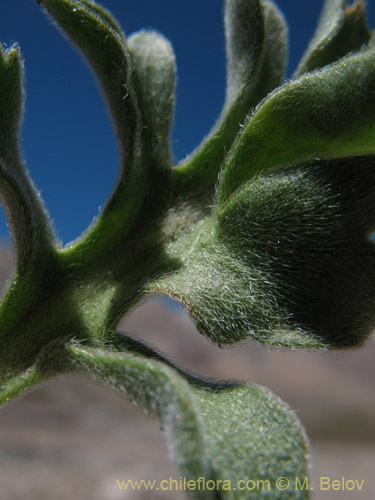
67, 139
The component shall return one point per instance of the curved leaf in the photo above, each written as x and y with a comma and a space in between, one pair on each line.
245, 33
229, 298
22, 204
16, 386
224, 434
106, 51
287, 261
325, 114
256, 45
340, 30
275, 55
96, 34
104, 16
157, 391
154, 79
252, 436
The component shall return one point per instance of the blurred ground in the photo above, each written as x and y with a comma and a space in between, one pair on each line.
73, 439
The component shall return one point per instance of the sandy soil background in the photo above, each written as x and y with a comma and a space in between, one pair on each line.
72, 439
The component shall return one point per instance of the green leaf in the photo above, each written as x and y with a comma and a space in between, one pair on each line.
275, 53
229, 298
96, 34
245, 33
306, 229
257, 48
155, 389
16, 386
12, 102
106, 51
22, 204
224, 433
252, 435
256, 45
325, 114
287, 261
340, 30
104, 16
154, 65
125, 342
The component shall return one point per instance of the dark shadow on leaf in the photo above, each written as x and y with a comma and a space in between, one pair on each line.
308, 229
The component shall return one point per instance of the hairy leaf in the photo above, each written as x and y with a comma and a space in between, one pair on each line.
159, 392
281, 255
154, 78
256, 45
275, 54
16, 386
104, 16
23, 206
287, 261
325, 114
108, 55
95, 33
224, 433
340, 30
245, 33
